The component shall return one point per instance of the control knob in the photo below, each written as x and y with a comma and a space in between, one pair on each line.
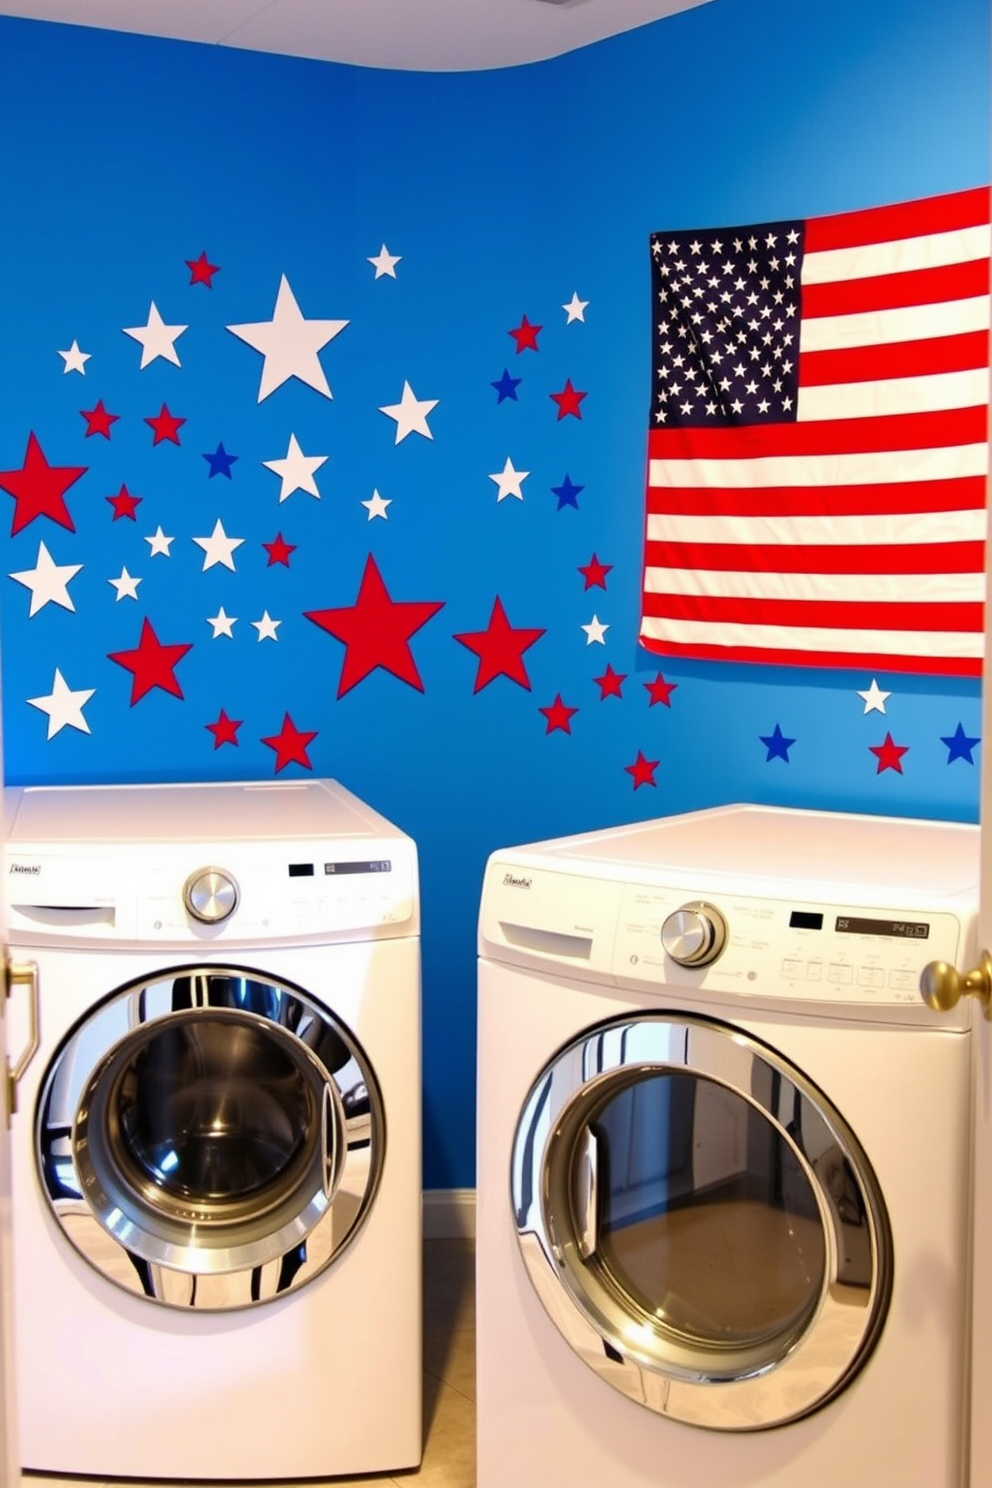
210, 895
695, 934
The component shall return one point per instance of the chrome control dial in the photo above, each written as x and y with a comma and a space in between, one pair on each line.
695, 934
210, 895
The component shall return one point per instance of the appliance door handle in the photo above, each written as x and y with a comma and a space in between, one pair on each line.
587, 1194
24, 974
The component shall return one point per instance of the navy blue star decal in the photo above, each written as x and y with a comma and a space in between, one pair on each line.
567, 493
777, 744
507, 386
959, 746
220, 462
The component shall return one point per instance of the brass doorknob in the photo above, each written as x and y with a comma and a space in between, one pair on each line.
942, 986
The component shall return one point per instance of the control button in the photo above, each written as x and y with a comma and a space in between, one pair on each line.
792, 968
814, 971
871, 976
904, 981
210, 895
695, 934
841, 975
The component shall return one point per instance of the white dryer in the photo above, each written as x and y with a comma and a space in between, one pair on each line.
724, 1151
216, 1161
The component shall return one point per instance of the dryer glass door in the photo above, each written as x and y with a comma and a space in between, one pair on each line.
221, 1128
700, 1222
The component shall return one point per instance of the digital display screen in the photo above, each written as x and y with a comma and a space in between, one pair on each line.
905, 929
805, 919
301, 870
380, 865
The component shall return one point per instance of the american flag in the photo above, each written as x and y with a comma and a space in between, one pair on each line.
818, 443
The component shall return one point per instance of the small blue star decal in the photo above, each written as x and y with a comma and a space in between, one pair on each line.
220, 462
567, 493
959, 746
507, 386
777, 744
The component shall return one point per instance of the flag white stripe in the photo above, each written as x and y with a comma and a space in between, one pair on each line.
889, 395
884, 528
888, 327
715, 583
863, 468
869, 260
815, 638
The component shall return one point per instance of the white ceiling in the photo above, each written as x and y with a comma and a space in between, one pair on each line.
415, 35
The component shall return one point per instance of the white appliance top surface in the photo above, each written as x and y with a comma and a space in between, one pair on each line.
232, 811
767, 847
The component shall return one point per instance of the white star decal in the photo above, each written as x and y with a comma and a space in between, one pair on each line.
377, 506
223, 625
296, 471
267, 627
157, 339
410, 414
574, 309
509, 481
385, 263
289, 344
595, 632
218, 547
75, 360
48, 581
126, 586
874, 698
63, 706
159, 544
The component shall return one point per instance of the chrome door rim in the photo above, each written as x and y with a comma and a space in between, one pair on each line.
798, 1372
211, 1254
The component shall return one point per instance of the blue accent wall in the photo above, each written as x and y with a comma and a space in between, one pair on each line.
503, 193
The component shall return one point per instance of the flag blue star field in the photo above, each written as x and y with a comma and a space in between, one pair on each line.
818, 448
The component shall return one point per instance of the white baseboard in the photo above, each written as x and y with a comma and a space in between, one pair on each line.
449, 1214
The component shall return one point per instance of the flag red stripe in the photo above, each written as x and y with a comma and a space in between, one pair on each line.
897, 431
948, 666
901, 220
961, 353
893, 291
959, 615
925, 558
966, 493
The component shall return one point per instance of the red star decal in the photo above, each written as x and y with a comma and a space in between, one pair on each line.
376, 631
500, 649
642, 770
98, 420
151, 664
124, 504
225, 730
526, 336
39, 489
202, 272
568, 400
889, 754
610, 682
165, 426
660, 691
595, 572
279, 550
558, 716
290, 745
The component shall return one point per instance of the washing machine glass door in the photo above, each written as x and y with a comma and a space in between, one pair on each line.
210, 1137
700, 1223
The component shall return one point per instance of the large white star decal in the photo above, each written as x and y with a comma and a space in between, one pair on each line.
296, 470
63, 706
48, 581
218, 547
509, 482
157, 339
289, 344
410, 414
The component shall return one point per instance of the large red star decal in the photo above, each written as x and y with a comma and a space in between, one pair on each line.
568, 400
558, 716
595, 572
642, 770
660, 691
201, 271
279, 550
526, 336
124, 504
376, 631
500, 649
39, 489
98, 420
151, 664
889, 754
290, 745
610, 682
225, 730
165, 426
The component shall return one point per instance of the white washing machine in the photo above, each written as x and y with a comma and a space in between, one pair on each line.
216, 1157
724, 1150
